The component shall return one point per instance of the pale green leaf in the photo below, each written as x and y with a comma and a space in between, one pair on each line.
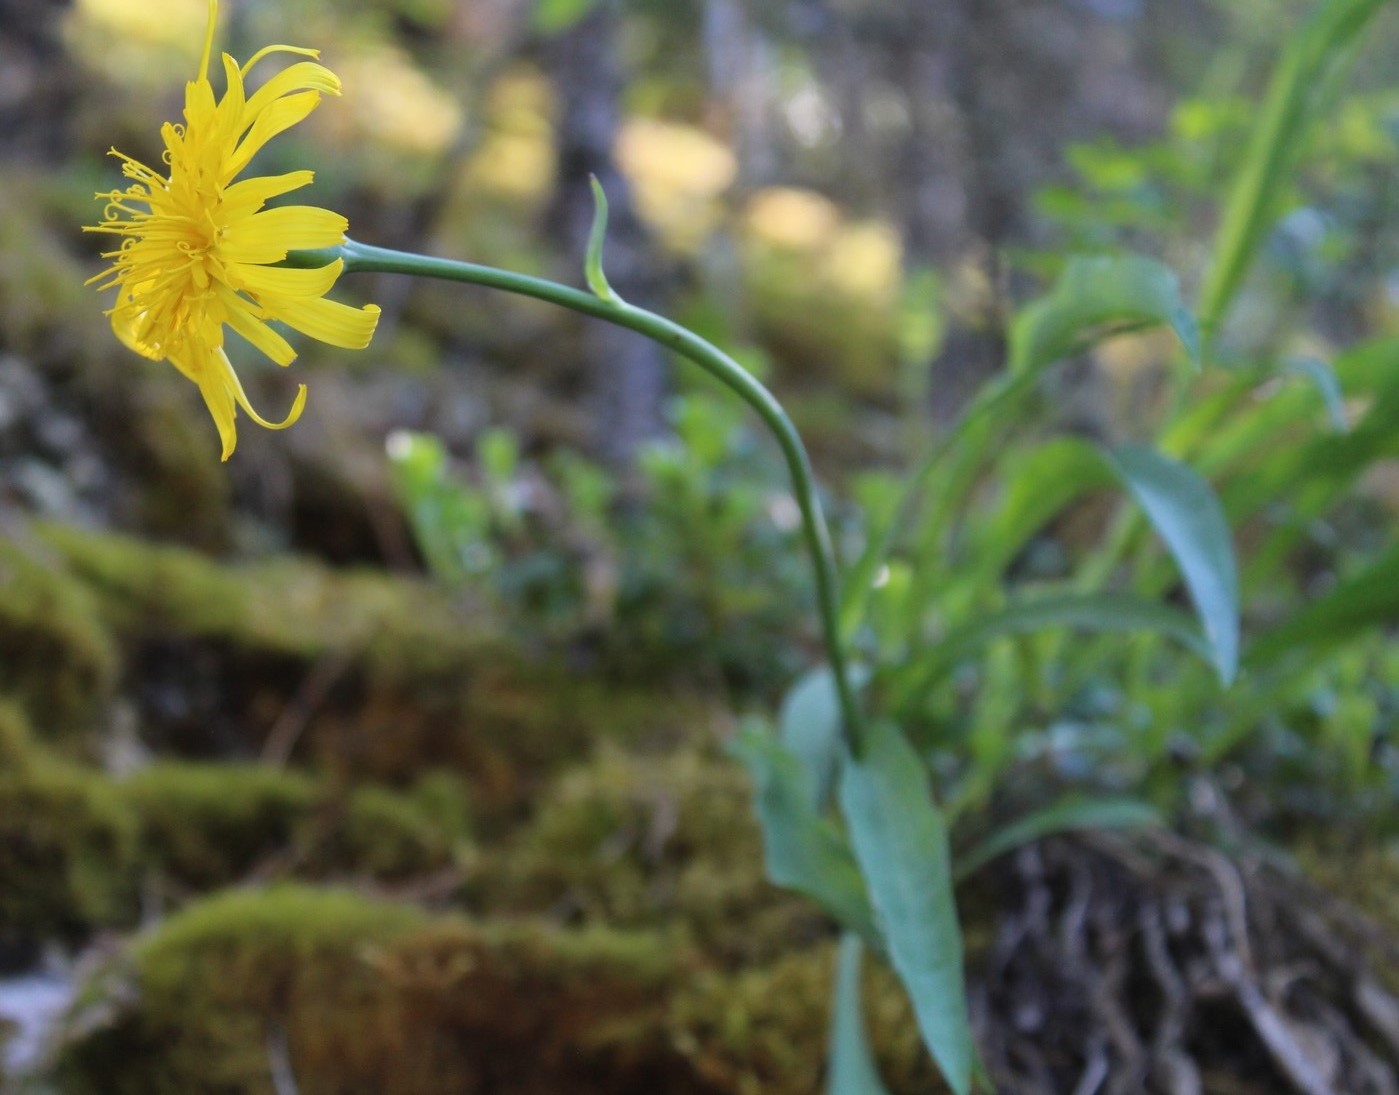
803, 851
850, 1069
1098, 295
1186, 513
1065, 816
900, 840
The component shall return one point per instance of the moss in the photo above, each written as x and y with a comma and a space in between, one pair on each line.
390, 835
765, 1029
208, 824
67, 845
287, 607
1363, 873
761, 1030
75, 844
57, 660
15, 737
404, 677
376, 997
184, 493
664, 841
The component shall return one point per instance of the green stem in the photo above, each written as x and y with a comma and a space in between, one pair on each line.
361, 258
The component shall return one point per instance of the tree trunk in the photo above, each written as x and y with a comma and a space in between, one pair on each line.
626, 378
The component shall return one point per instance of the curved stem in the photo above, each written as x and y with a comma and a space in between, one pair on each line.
363, 258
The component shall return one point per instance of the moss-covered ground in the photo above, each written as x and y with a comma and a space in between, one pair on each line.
337, 823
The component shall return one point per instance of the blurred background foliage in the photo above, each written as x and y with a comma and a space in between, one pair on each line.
471, 636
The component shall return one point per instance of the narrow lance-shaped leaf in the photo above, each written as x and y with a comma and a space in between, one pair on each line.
803, 851
850, 1070
597, 235
809, 727
1065, 816
1363, 601
1096, 295
1099, 612
1186, 513
1307, 73
900, 840
1321, 375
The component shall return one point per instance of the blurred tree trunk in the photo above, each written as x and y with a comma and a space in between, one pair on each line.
626, 379
37, 83
996, 91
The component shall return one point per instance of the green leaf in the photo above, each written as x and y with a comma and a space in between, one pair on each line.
849, 1069
803, 851
1304, 80
809, 727
1320, 374
1366, 600
447, 517
900, 841
1103, 612
1097, 295
1042, 482
1186, 513
1071, 814
556, 16
592, 264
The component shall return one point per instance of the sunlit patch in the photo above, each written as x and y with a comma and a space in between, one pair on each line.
678, 173
137, 44
392, 103
786, 217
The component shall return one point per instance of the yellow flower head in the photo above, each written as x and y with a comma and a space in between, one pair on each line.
198, 250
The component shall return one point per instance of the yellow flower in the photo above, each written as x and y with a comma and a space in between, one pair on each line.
198, 250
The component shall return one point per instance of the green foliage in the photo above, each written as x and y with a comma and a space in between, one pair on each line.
803, 850
900, 840
698, 561
1185, 511
1064, 816
1303, 85
556, 16
850, 1070
968, 577
1094, 295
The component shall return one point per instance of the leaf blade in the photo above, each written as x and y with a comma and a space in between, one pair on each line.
1187, 514
850, 1069
900, 841
1070, 814
1096, 292
802, 850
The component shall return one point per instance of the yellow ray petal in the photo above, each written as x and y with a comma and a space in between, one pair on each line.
284, 281
265, 51
328, 321
248, 196
218, 397
229, 113
242, 320
279, 115
303, 76
235, 388
269, 235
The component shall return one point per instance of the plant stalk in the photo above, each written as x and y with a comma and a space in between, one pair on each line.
363, 258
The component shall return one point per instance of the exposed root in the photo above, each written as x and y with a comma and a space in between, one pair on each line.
1167, 967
